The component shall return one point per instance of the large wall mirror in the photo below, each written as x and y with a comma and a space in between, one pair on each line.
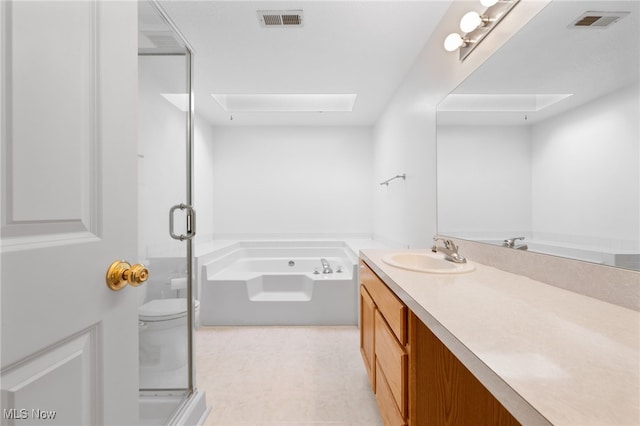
542, 141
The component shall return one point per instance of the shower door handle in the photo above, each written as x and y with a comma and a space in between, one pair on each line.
191, 222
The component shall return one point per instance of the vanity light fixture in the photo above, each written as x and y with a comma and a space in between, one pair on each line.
454, 41
472, 20
476, 26
488, 3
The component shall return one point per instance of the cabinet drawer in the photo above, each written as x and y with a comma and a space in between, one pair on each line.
388, 410
392, 361
392, 309
367, 320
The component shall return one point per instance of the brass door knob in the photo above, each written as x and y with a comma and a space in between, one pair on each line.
121, 273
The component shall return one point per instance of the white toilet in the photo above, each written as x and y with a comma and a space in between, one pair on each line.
163, 338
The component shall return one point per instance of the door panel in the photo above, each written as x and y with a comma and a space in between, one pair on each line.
54, 378
69, 128
50, 120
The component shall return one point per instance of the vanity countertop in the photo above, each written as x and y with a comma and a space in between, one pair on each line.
550, 356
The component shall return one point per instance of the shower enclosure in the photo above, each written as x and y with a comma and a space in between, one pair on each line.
166, 219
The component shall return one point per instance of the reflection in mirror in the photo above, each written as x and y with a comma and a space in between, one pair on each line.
155, 36
542, 140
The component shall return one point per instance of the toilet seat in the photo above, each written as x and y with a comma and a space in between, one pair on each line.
164, 309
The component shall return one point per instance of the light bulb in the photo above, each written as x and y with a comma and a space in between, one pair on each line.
470, 21
453, 41
488, 3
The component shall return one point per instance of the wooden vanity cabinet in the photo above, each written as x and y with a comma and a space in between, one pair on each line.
417, 381
383, 340
442, 390
367, 318
391, 373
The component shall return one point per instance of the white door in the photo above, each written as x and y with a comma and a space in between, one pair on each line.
69, 106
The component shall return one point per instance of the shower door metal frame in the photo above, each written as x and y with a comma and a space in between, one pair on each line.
188, 53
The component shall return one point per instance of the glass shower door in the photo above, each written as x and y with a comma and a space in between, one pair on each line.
166, 220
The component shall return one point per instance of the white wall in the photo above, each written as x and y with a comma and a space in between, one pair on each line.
484, 181
586, 164
291, 181
405, 214
202, 178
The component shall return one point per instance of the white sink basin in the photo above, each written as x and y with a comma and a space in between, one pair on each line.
426, 263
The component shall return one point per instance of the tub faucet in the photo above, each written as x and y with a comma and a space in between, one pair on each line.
326, 268
511, 243
450, 250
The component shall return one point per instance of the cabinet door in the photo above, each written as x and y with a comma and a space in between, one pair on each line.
386, 401
391, 308
392, 362
367, 319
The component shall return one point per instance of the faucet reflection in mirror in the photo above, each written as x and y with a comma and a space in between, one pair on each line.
511, 243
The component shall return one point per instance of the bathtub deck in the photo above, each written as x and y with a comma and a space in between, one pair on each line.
284, 376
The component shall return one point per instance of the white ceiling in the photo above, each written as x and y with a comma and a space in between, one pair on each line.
361, 47
547, 57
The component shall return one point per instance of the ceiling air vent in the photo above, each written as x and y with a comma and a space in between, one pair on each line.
597, 19
280, 18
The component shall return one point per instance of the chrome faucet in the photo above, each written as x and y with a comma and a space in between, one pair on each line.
450, 250
326, 268
511, 243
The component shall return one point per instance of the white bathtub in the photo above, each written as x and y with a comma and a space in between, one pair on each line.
279, 285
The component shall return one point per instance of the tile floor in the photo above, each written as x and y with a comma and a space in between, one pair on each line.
285, 376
